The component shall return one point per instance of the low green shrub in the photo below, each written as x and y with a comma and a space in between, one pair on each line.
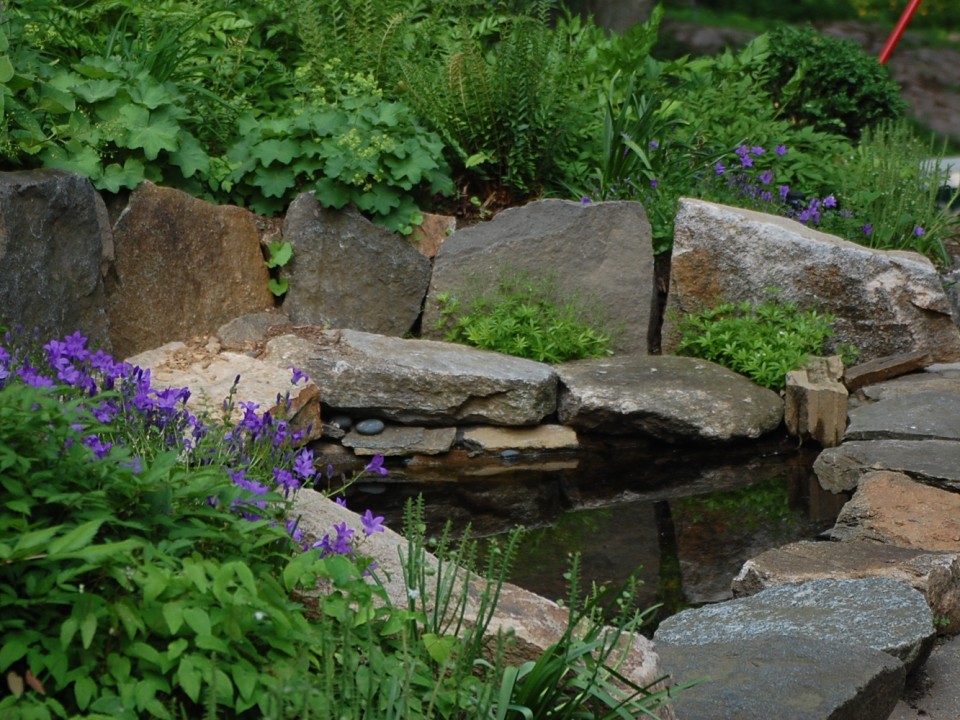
763, 342
829, 83
523, 318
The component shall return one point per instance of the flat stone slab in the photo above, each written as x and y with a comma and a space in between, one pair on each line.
418, 382
891, 508
669, 397
884, 368
934, 574
542, 438
935, 378
403, 440
932, 462
879, 613
919, 416
783, 678
210, 376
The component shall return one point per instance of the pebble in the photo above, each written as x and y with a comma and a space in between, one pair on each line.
372, 426
344, 422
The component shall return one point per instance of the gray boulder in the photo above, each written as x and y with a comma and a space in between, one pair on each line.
418, 381
668, 397
184, 267
876, 612
55, 245
884, 302
935, 574
599, 253
933, 462
795, 678
347, 272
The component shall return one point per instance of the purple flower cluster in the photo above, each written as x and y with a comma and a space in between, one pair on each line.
261, 454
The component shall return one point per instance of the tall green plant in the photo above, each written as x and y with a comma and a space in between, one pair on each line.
499, 92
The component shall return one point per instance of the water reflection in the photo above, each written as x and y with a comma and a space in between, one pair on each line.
685, 519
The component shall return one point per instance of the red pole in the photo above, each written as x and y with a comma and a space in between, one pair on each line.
902, 23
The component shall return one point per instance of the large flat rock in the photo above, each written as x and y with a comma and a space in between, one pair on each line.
884, 302
934, 574
930, 415
932, 462
879, 613
418, 381
783, 678
891, 508
668, 397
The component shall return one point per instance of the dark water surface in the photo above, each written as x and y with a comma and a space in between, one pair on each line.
687, 518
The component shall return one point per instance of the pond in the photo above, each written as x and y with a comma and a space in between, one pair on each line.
684, 519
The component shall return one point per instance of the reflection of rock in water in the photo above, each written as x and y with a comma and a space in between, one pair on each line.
717, 533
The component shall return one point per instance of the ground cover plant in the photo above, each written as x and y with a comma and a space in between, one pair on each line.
763, 341
524, 317
150, 567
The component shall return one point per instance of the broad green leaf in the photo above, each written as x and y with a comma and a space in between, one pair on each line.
190, 156
209, 642
440, 647
145, 652
115, 177
55, 100
280, 253
35, 539
79, 537
152, 132
198, 620
12, 650
84, 689
274, 182
94, 91
245, 678
150, 93
88, 628
282, 151
189, 677
278, 287
6, 68
196, 574
332, 194
173, 614
67, 630
97, 67
130, 617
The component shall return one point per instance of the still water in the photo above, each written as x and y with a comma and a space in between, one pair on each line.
684, 519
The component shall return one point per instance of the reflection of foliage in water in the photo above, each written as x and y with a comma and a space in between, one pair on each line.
764, 505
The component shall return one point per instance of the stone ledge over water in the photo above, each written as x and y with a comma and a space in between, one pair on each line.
668, 397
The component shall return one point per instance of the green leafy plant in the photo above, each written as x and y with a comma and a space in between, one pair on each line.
523, 318
763, 342
280, 253
498, 92
348, 143
829, 83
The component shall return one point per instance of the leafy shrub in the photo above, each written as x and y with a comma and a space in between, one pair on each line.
829, 83
522, 318
763, 342
350, 144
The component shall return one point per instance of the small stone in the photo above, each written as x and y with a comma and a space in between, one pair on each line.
344, 422
373, 426
510, 454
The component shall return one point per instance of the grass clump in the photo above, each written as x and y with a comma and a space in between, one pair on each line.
522, 318
763, 342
